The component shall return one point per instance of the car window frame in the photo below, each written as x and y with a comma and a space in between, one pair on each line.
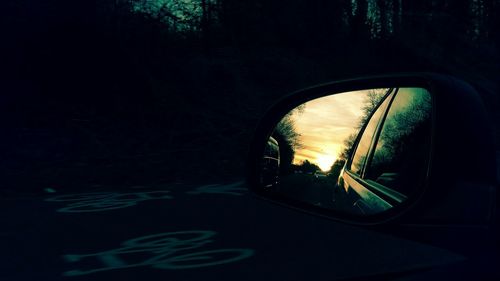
388, 194
378, 131
389, 95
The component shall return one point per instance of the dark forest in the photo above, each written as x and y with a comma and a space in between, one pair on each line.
133, 92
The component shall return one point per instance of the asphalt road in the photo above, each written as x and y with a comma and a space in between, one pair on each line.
190, 232
308, 188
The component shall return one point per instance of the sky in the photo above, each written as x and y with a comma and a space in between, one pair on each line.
324, 124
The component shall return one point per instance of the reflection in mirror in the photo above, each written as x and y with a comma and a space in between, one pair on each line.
361, 152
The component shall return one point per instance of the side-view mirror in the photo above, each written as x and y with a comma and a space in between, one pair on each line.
417, 148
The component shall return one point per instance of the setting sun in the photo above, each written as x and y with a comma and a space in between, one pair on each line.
325, 162
324, 124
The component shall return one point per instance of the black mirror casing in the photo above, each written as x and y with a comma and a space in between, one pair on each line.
461, 178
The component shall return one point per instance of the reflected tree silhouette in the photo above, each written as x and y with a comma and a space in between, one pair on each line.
336, 169
288, 139
307, 167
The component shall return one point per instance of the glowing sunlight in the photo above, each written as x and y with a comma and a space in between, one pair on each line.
324, 124
325, 162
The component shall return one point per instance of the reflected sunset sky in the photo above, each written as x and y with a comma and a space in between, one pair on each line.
324, 124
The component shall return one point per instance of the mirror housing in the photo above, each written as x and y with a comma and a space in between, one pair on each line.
461, 180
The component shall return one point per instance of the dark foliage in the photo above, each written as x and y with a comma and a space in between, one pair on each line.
99, 92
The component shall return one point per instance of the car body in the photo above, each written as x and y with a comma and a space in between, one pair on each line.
319, 175
391, 154
432, 192
271, 163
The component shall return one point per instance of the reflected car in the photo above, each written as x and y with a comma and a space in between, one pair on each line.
270, 164
391, 154
320, 175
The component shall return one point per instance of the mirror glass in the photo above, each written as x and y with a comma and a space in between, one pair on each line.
361, 152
